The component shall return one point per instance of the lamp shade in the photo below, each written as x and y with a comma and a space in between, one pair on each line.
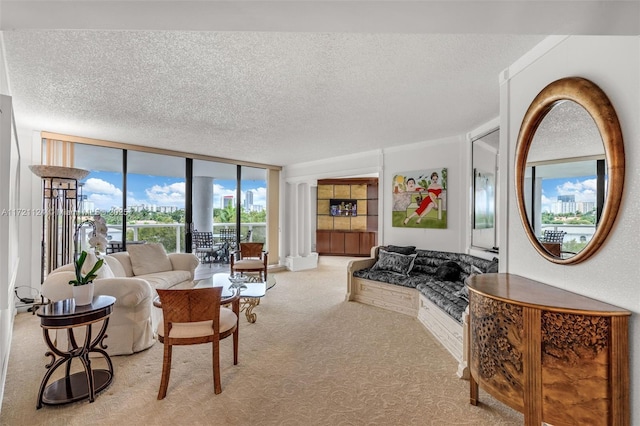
45, 171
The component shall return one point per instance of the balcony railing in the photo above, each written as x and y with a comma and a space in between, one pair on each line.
174, 241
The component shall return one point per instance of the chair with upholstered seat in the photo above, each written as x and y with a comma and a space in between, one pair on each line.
250, 258
192, 317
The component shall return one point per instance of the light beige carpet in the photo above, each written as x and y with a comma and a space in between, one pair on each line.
310, 359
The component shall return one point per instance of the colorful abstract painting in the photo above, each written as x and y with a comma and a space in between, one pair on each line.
420, 199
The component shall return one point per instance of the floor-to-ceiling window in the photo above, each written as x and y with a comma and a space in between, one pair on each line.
101, 191
154, 195
253, 205
156, 188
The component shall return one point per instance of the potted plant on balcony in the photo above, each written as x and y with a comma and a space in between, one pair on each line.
83, 284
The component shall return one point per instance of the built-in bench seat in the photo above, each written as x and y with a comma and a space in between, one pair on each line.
427, 284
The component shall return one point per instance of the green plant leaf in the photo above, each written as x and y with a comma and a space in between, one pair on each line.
80, 280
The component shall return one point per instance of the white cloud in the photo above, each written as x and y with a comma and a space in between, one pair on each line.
167, 195
545, 203
583, 190
102, 194
94, 185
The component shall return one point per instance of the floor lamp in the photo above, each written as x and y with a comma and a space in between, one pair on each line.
59, 207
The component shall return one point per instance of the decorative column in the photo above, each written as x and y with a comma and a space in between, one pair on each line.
299, 218
202, 203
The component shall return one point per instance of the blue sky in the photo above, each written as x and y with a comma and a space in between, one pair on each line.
584, 189
104, 189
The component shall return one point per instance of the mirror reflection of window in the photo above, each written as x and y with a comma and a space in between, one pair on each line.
566, 196
484, 153
565, 177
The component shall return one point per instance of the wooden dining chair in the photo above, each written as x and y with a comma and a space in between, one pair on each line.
250, 258
192, 317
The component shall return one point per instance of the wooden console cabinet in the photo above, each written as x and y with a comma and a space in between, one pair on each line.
555, 356
347, 243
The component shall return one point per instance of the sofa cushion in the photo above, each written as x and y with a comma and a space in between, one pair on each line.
394, 262
463, 293
449, 271
148, 258
449, 295
164, 280
400, 249
116, 266
123, 258
410, 280
443, 294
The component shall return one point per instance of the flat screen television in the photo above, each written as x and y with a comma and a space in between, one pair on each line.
343, 207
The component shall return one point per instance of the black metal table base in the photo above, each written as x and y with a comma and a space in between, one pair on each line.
83, 384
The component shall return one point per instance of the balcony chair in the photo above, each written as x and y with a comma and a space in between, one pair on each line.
552, 242
250, 258
204, 247
192, 317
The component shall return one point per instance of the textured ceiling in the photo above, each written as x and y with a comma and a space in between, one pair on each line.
269, 97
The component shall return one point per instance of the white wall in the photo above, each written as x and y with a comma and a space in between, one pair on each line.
612, 274
451, 153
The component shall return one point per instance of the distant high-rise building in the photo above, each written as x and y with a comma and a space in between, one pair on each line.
567, 198
248, 201
227, 200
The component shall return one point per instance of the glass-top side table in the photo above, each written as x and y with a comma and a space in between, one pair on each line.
64, 314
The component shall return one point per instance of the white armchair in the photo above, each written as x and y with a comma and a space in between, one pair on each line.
134, 320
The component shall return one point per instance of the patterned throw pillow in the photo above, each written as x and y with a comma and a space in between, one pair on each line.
449, 271
463, 293
401, 249
394, 262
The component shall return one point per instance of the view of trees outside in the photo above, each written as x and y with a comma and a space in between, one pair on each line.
156, 194
227, 215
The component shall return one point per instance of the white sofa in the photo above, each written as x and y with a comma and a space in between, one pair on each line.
132, 278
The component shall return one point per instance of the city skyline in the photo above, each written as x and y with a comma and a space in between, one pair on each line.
104, 190
582, 188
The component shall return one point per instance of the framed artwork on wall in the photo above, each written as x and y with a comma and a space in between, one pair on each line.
420, 199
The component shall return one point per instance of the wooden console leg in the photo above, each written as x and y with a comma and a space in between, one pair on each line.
473, 390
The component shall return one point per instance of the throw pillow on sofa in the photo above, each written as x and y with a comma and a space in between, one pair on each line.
463, 293
449, 271
149, 258
394, 262
401, 249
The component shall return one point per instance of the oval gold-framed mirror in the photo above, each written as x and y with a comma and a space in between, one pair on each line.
595, 102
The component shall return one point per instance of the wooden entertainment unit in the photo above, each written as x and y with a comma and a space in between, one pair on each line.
555, 356
347, 216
